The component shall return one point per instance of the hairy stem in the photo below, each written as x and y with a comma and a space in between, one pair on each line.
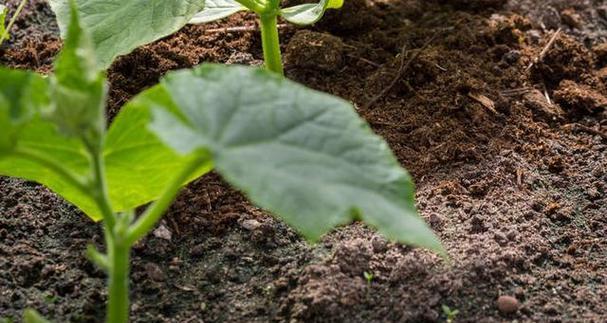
154, 212
271, 43
6, 33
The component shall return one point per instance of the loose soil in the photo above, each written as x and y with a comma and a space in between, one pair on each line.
508, 151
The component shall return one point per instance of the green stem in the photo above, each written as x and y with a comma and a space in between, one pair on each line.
154, 212
5, 35
100, 194
118, 249
118, 302
98, 258
271, 43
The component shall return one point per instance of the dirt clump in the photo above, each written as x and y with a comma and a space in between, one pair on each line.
579, 98
314, 50
475, 4
568, 59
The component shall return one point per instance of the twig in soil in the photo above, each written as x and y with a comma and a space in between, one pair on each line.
516, 92
440, 67
404, 65
545, 50
364, 60
546, 94
579, 127
239, 29
519, 177
484, 101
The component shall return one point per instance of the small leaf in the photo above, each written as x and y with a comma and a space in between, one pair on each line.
309, 13
138, 165
303, 155
119, 26
78, 87
217, 9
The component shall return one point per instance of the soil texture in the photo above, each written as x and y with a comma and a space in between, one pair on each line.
496, 107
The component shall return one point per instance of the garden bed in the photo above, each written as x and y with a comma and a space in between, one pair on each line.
500, 119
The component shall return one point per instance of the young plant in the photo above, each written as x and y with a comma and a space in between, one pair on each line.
268, 12
119, 26
303, 155
450, 314
5, 29
368, 277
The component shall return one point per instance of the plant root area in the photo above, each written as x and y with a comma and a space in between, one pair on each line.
496, 107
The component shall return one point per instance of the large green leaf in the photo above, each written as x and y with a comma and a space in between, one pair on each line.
309, 13
138, 165
304, 155
217, 9
119, 26
52, 118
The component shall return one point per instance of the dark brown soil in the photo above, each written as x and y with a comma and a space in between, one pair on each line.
510, 164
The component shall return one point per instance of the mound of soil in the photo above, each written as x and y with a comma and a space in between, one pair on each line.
499, 117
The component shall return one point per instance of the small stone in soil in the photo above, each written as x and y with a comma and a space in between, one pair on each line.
154, 272
571, 18
163, 233
250, 225
197, 251
507, 304
314, 50
379, 244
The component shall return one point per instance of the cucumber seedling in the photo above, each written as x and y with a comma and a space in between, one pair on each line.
305, 156
268, 12
119, 26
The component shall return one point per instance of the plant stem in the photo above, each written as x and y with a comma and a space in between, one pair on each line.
118, 302
271, 43
100, 193
98, 258
154, 212
114, 227
6, 33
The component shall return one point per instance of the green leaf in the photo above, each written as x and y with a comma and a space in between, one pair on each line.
309, 13
138, 165
78, 87
36, 114
304, 155
217, 9
32, 316
119, 26
22, 94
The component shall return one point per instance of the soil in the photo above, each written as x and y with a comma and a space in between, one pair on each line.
507, 145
